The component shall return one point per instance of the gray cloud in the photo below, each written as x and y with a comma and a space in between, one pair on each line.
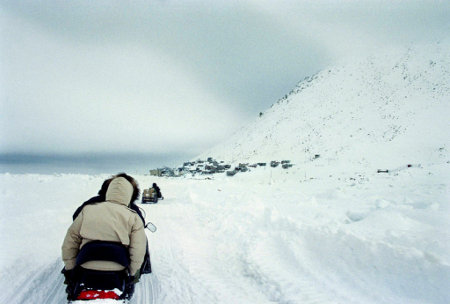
175, 75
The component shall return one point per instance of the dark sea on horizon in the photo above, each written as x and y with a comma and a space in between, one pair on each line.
88, 163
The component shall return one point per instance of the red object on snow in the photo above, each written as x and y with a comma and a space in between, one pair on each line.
97, 294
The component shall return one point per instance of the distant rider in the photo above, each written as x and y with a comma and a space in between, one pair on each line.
158, 191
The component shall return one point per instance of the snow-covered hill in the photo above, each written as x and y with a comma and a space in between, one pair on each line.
385, 111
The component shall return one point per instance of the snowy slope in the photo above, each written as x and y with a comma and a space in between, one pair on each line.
378, 112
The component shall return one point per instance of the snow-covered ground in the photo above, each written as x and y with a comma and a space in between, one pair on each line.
328, 230
261, 237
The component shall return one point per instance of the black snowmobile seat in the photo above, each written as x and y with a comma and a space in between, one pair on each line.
104, 251
97, 279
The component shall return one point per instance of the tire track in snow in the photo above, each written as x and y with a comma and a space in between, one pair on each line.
189, 264
176, 278
147, 290
45, 286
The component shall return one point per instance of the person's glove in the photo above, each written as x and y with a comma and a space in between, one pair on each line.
70, 281
69, 276
136, 276
129, 287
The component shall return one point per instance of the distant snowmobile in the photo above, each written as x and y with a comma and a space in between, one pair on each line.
149, 196
152, 194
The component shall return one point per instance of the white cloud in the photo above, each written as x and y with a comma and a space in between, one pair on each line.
66, 97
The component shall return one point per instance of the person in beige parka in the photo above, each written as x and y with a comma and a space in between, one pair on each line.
110, 221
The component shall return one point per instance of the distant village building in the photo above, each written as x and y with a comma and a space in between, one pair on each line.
212, 166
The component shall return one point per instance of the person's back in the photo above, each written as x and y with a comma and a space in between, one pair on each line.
110, 221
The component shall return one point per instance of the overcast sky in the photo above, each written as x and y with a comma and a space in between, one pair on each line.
170, 76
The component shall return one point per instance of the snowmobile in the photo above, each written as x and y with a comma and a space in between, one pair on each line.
149, 196
86, 284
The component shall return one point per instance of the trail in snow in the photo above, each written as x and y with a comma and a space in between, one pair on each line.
147, 291
34, 284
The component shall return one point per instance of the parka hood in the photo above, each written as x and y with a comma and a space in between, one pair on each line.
119, 191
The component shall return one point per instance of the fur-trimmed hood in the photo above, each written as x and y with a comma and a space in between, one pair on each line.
119, 191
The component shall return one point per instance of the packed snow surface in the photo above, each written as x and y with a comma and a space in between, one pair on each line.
331, 229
